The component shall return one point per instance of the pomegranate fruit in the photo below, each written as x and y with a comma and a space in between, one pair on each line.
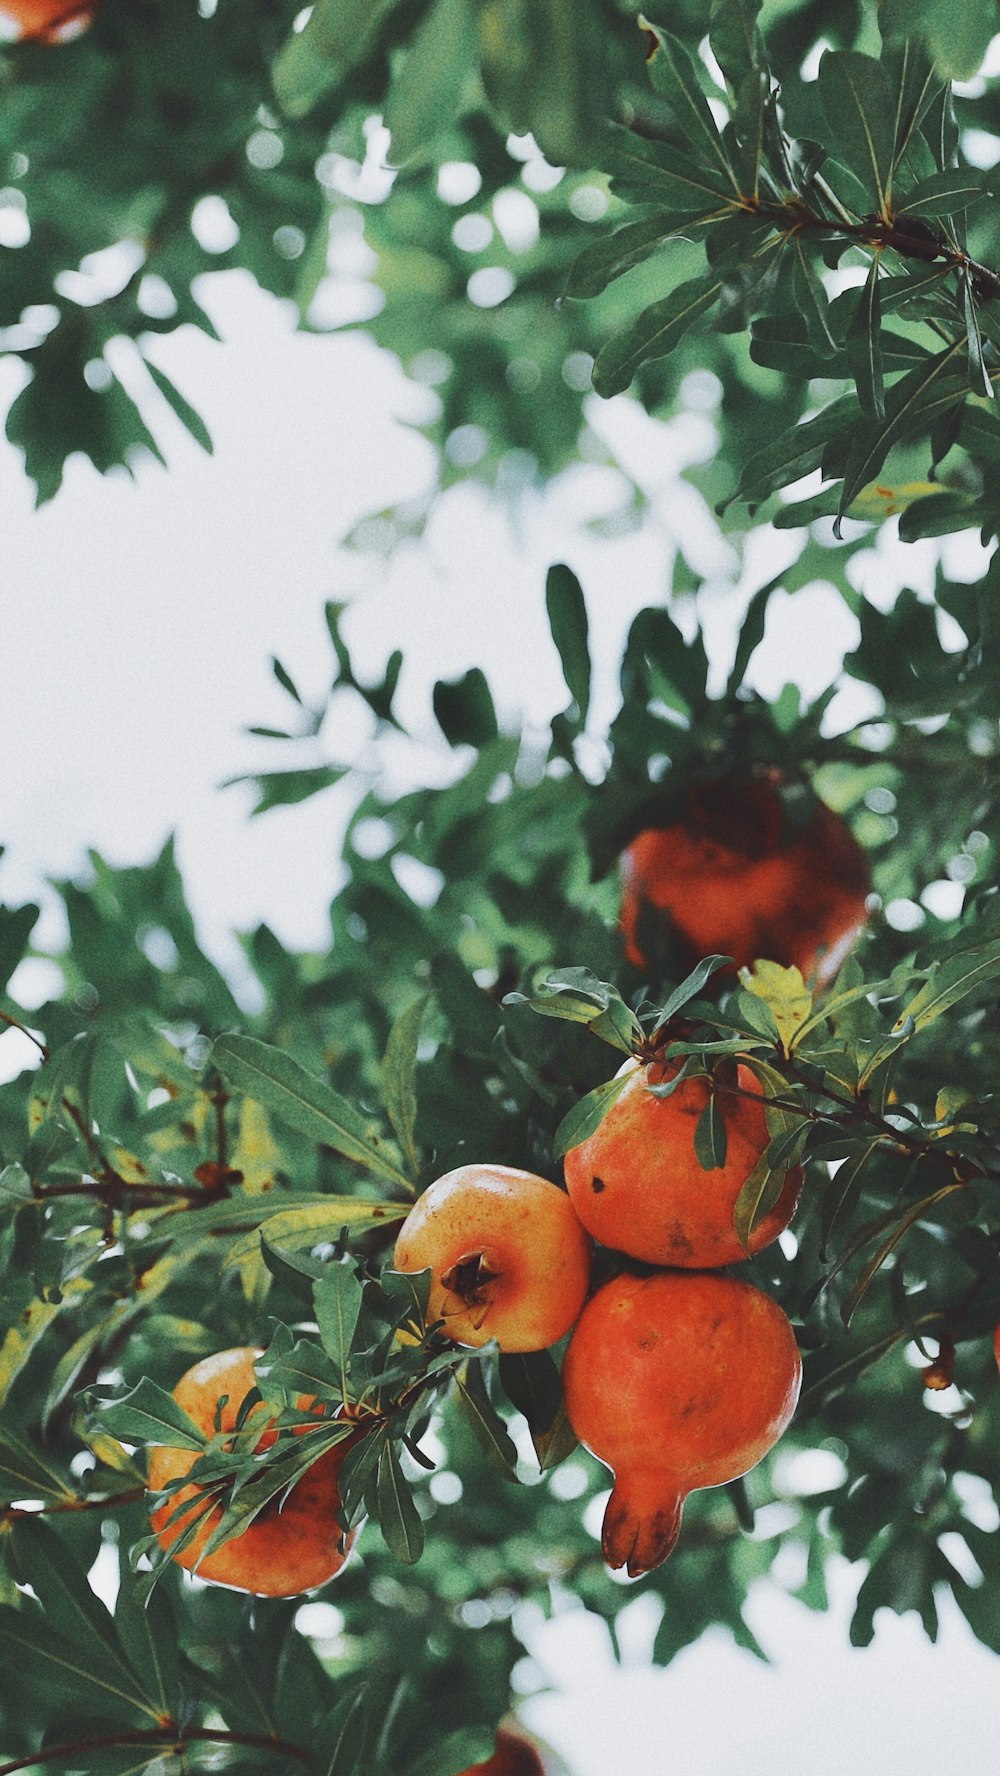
47, 20
731, 875
638, 1186
679, 1380
513, 1755
508, 1257
288, 1547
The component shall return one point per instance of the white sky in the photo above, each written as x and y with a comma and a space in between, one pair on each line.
137, 624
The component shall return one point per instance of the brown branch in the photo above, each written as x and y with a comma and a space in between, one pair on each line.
9, 1513
169, 1736
15, 1024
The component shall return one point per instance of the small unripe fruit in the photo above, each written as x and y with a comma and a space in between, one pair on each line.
287, 1548
638, 1185
508, 1257
677, 1381
732, 875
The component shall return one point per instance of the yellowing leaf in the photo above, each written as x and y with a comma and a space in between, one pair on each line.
785, 994
256, 1153
881, 500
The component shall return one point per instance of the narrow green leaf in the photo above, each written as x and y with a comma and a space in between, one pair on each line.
949, 982
146, 1626
855, 96
843, 1191
399, 1520
912, 401
341, 1735
734, 37
710, 1136
24, 1473
567, 614
650, 172
148, 1414
15, 1186
673, 75
484, 1419
31, 1324
888, 1245
69, 1366
531, 1382
284, 789
397, 1078
337, 1301
73, 1610
298, 1229
66, 1669
795, 452
915, 81
425, 96
864, 347
654, 334
616, 253
587, 1115
273, 1079
979, 376
947, 193
189, 418
760, 1191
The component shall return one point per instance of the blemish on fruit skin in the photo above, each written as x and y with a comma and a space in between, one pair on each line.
597, 1185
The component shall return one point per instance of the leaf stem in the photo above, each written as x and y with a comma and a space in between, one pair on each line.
169, 1736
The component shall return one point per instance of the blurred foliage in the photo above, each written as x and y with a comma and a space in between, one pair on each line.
558, 186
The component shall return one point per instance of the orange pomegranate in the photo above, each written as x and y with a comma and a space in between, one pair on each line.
996, 1344
733, 875
48, 20
638, 1186
508, 1257
679, 1380
287, 1548
513, 1755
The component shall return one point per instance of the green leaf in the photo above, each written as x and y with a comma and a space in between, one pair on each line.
464, 710
795, 452
397, 1076
338, 35
341, 1735
948, 982
191, 420
614, 254
947, 193
279, 1083
691, 984
654, 334
148, 1414
15, 1186
567, 614
735, 39
860, 113
73, 1610
24, 1473
425, 96
399, 1520
910, 403
79, 1672
484, 1419
710, 1136
979, 376
587, 1115
864, 347
651, 172
283, 789
673, 75
888, 1245
16, 926
323, 1219
337, 1299
532, 1384
843, 1191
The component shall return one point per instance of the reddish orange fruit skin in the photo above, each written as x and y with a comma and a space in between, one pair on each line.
512, 1756
45, 19
677, 1381
996, 1344
284, 1551
730, 876
638, 1186
535, 1256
